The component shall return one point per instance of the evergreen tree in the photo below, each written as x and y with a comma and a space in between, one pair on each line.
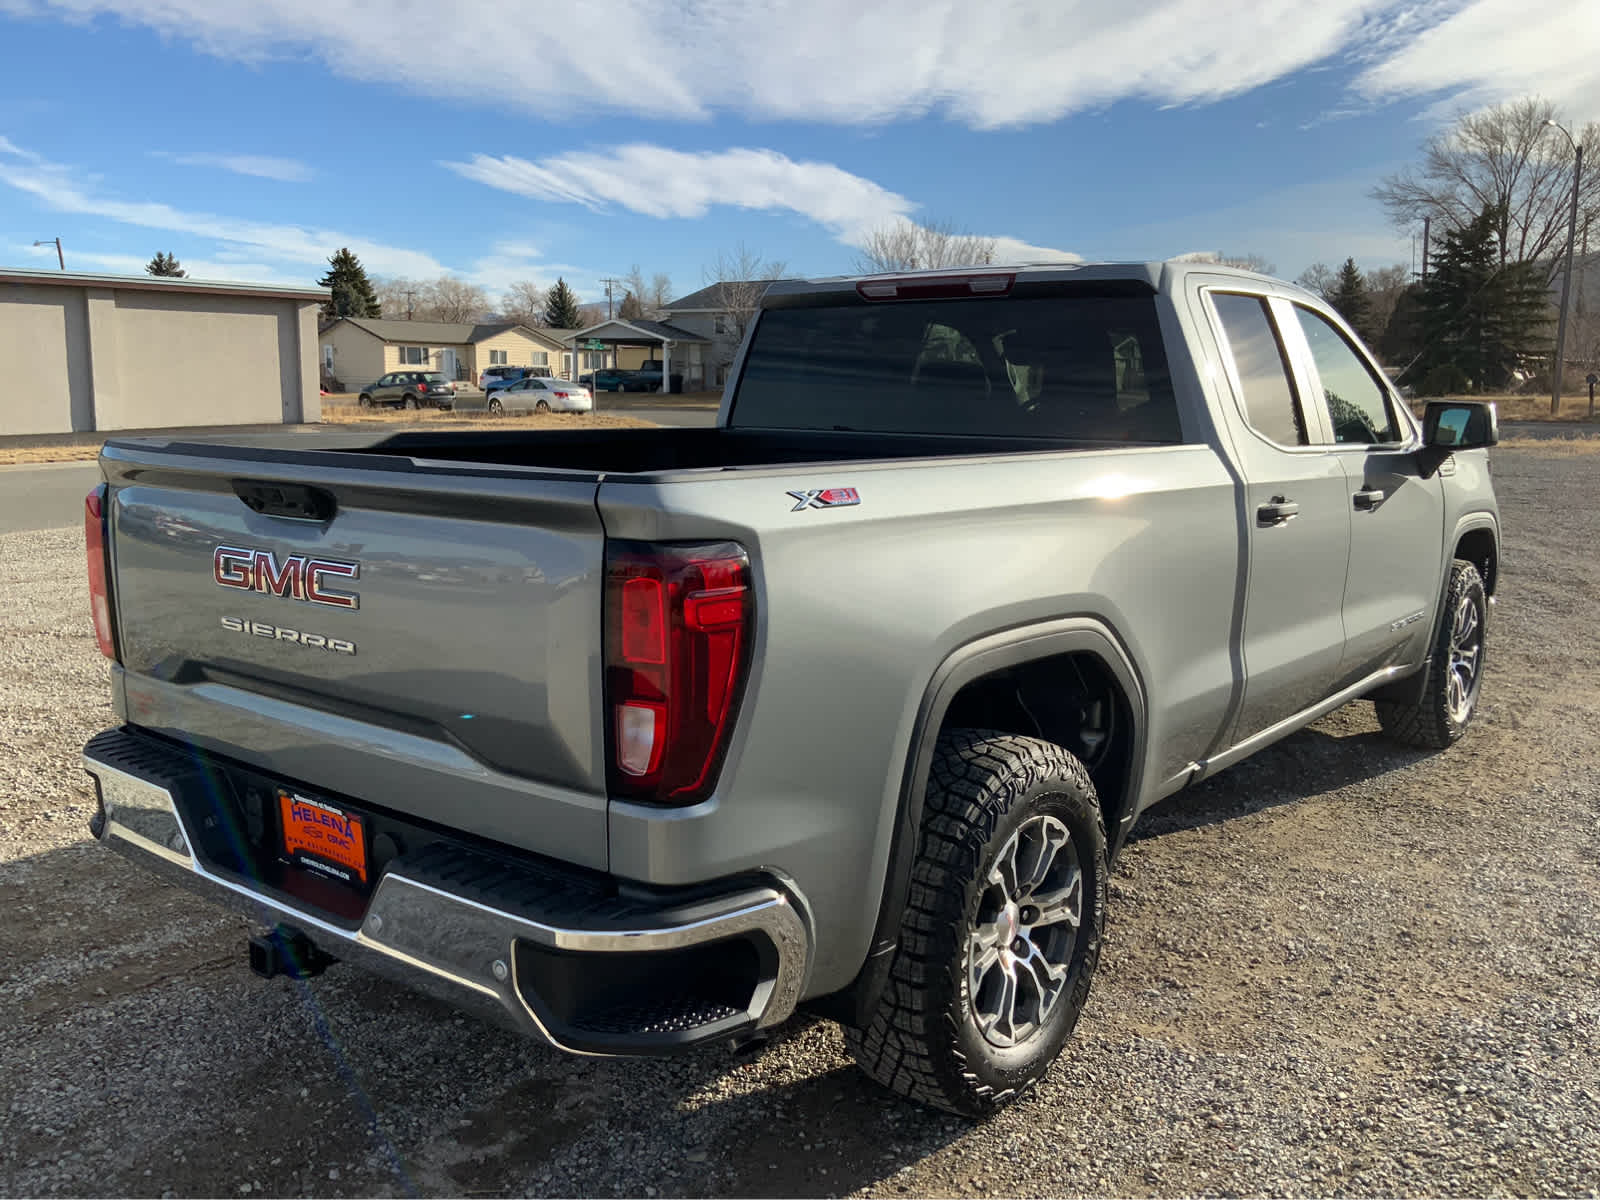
630, 309
352, 290
1481, 320
561, 308
165, 265
1348, 295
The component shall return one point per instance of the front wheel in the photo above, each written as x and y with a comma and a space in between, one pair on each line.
1453, 674
495, 406
1001, 931
364, 400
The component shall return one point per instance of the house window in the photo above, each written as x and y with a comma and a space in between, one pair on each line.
414, 356
722, 323
327, 357
497, 358
541, 358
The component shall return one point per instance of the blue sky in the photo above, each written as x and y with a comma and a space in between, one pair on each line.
502, 140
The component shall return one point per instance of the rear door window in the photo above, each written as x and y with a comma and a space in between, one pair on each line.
1270, 403
1074, 365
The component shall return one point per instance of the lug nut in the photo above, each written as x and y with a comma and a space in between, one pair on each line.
1028, 915
1020, 946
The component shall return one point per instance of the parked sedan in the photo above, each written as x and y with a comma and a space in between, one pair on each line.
611, 379
531, 395
409, 389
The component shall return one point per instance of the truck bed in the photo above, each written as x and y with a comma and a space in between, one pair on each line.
612, 452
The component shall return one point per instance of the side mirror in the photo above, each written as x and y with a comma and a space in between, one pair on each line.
1460, 425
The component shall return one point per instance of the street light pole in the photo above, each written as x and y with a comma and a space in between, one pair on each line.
60, 261
1566, 281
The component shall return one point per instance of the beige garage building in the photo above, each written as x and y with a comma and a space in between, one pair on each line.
102, 352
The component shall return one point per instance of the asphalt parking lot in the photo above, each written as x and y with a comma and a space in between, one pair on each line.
1338, 969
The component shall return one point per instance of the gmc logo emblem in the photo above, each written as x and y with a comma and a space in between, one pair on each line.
295, 578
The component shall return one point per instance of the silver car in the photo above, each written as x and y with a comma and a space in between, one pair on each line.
531, 394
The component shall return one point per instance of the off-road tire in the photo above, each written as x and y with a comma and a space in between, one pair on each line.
1429, 723
922, 1040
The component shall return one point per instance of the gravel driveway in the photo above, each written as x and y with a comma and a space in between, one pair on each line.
1339, 968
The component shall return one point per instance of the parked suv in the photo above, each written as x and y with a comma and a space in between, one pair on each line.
499, 377
409, 389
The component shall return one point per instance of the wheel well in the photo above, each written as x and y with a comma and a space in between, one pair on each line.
1477, 547
1072, 700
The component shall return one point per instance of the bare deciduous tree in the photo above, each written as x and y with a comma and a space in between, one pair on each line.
523, 301
399, 297
1503, 155
659, 293
1385, 286
1245, 262
742, 277
1318, 277
910, 246
455, 300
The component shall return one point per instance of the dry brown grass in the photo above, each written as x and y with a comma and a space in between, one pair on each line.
1560, 447
10, 456
1524, 407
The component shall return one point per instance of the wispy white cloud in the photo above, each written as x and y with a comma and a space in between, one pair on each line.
995, 64
1010, 250
660, 182
260, 166
7, 146
999, 63
1490, 50
61, 189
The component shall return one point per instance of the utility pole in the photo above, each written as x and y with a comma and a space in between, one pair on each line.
1427, 226
1566, 282
608, 283
60, 261
408, 294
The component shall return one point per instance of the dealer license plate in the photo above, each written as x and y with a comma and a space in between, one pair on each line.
322, 838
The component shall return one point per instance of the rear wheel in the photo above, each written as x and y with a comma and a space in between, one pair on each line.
410, 403
1001, 931
543, 406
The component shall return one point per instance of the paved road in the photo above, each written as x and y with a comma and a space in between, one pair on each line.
51, 496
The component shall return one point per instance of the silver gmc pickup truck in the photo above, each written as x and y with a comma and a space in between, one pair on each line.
643, 738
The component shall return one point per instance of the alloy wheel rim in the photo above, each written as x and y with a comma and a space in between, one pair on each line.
1466, 659
1020, 946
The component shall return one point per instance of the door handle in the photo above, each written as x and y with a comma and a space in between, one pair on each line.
1278, 511
1368, 498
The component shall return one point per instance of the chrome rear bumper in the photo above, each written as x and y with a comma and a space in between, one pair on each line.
475, 953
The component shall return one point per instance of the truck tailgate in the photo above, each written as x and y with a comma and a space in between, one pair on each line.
428, 641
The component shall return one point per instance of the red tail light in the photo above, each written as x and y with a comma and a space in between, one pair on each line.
678, 628
422, 387
94, 538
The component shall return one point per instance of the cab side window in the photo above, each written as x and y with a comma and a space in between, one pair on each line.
1358, 405
1270, 403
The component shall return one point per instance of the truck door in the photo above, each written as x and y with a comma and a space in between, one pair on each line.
1396, 516
1296, 518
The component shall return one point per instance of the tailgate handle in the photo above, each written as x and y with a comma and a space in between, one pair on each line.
285, 499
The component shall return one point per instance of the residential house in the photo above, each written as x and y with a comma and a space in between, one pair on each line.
356, 350
718, 313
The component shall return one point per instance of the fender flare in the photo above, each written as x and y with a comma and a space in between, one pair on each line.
968, 662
